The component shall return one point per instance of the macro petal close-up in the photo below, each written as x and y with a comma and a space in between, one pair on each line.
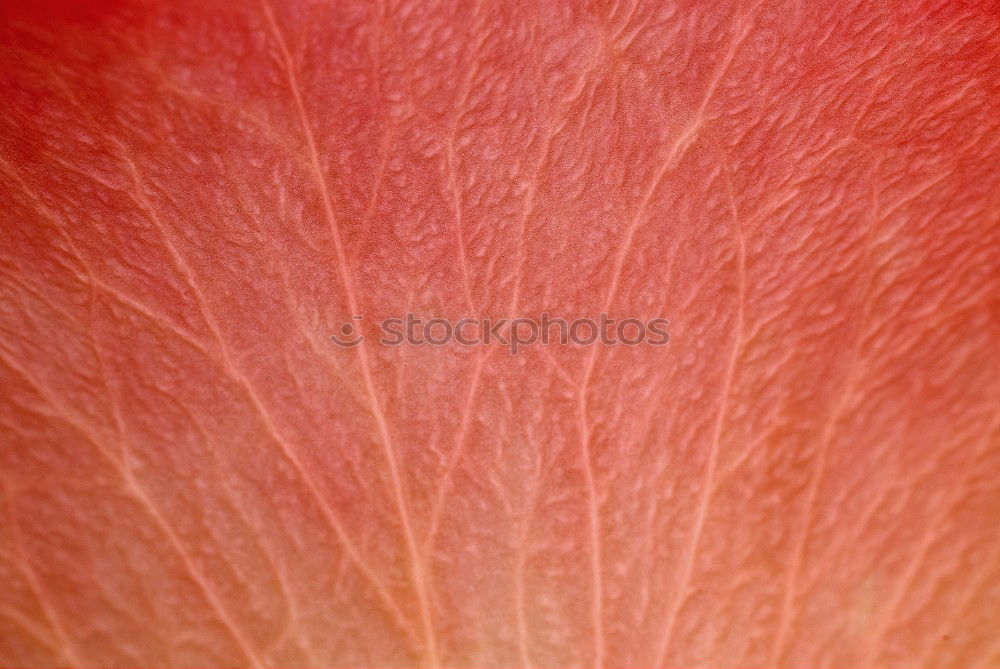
497, 333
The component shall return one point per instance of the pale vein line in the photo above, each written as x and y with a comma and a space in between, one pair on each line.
238, 513
164, 324
416, 563
135, 488
258, 404
452, 175
457, 206
44, 636
616, 32
444, 488
826, 439
923, 547
137, 491
455, 456
593, 512
529, 206
677, 150
519, 594
593, 520
466, 414
48, 608
769, 210
119, 296
707, 489
595, 559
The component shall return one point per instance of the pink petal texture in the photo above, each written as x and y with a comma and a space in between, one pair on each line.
195, 195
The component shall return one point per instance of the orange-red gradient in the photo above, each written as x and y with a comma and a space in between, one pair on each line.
195, 195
